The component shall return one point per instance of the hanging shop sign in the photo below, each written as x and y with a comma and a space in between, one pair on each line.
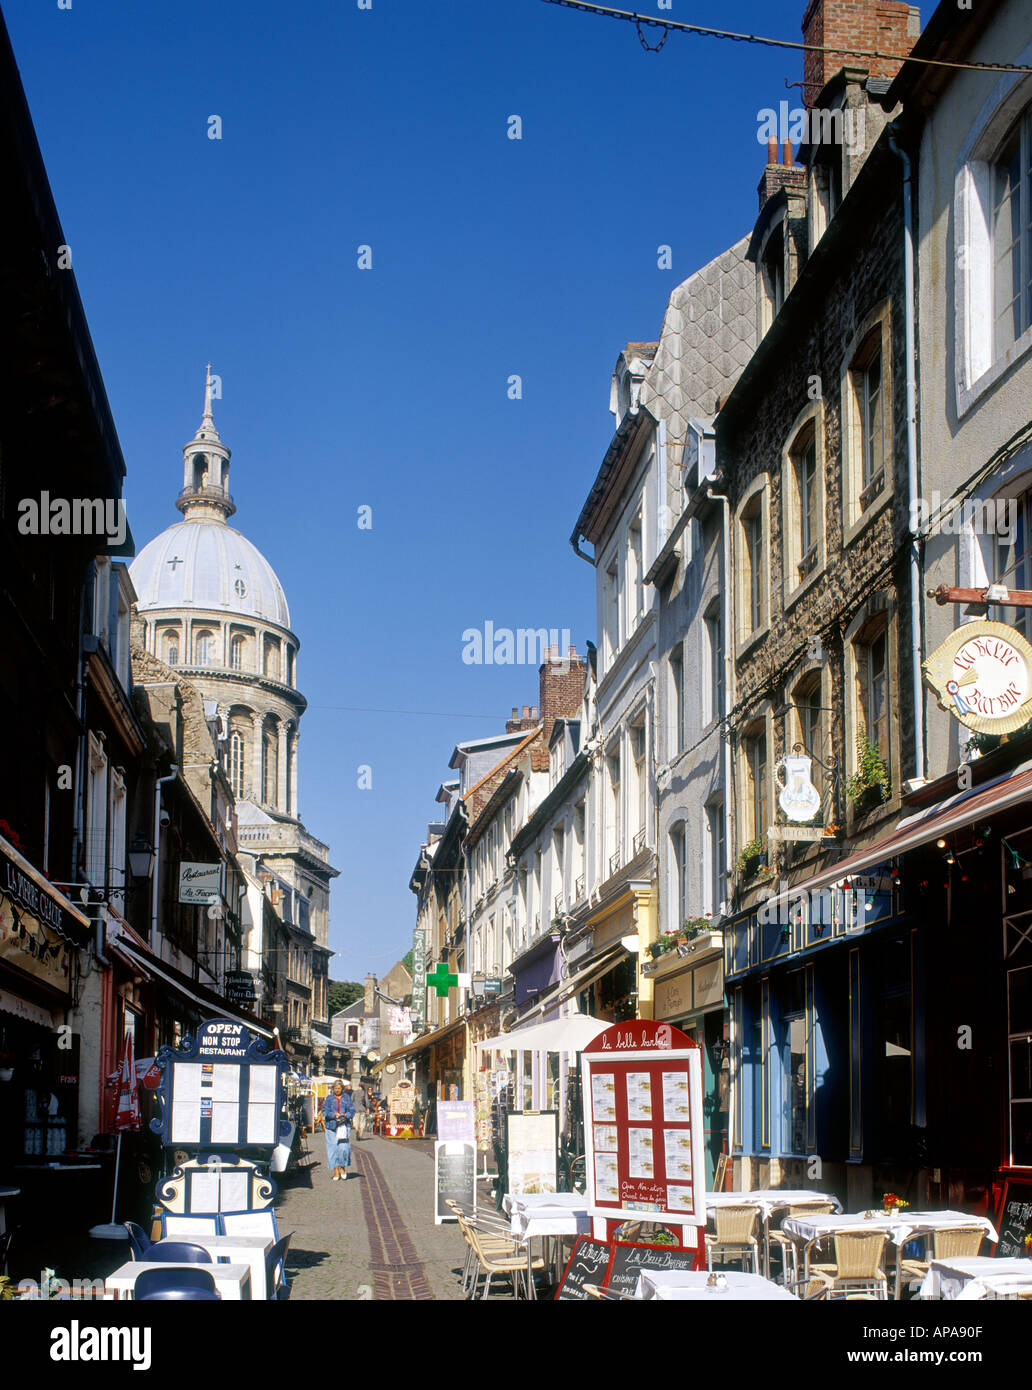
399, 1022
418, 979
982, 675
200, 883
240, 987
799, 798
222, 1089
642, 1087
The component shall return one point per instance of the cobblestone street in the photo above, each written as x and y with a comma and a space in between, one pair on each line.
372, 1237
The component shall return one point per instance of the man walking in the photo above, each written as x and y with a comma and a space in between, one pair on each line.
360, 1100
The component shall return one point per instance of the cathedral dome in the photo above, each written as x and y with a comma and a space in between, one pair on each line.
205, 564
201, 563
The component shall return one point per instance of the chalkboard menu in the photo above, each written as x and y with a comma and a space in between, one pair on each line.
629, 1260
455, 1174
587, 1265
1015, 1219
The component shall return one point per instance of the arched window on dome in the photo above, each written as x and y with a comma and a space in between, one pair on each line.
236, 763
171, 646
236, 653
204, 649
269, 768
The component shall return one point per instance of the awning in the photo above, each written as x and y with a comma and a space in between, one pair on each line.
25, 1009
557, 1035
192, 990
933, 823
427, 1040
566, 989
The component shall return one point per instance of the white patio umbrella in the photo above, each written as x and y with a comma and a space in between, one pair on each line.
571, 1034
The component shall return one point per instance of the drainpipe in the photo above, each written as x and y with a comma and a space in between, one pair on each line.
729, 671
170, 777
915, 538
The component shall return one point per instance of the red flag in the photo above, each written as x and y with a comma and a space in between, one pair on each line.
127, 1108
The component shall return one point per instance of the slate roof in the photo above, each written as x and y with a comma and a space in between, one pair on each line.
709, 334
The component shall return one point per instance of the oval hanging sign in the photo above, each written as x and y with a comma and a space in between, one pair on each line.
982, 675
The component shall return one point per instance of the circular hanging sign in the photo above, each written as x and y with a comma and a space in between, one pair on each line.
982, 675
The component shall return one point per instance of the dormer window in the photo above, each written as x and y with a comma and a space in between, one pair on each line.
772, 269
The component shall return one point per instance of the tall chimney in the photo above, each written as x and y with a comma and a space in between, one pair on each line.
852, 30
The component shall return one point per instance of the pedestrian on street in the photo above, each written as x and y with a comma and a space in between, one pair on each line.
337, 1114
360, 1100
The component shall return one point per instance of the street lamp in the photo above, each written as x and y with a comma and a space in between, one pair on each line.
141, 857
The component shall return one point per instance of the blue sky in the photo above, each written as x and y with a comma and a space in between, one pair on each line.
387, 387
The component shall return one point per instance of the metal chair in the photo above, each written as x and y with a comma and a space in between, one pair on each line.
172, 1252
179, 1284
734, 1236
276, 1285
490, 1263
139, 1241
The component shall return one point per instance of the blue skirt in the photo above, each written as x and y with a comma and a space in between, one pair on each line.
338, 1151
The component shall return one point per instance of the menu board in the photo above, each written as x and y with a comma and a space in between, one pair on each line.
533, 1145
455, 1177
628, 1261
644, 1128
222, 1089
1015, 1220
587, 1265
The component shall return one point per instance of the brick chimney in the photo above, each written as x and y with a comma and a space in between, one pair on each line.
523, 723
562, 687
777, 176
882, 26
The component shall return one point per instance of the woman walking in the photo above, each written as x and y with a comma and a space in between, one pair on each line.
337, 1113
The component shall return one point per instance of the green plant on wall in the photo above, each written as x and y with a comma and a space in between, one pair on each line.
871, 774
749, 859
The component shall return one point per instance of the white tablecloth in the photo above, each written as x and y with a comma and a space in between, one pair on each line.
680, 1285
770, 1200
233, 1282
241, 1250
975, 1276
547, 1214
899, 1228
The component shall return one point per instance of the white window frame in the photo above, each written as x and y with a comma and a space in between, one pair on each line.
976, 370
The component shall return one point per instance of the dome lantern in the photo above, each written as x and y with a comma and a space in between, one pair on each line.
205, 495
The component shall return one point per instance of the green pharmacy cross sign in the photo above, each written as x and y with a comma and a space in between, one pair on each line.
442, 980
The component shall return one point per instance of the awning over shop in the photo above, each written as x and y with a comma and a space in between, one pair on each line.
557, 1035
932, 823
427, 1040
191, 990
25, 1009
566, 989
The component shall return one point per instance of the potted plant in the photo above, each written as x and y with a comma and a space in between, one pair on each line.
869, 786
751, 859
892, 1203
692, 927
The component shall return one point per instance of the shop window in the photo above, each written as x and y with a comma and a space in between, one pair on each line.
793, 1058
889, 973
1019, 1032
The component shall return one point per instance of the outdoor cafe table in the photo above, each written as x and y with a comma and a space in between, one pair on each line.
233, 1282
241, 1250
768, 1200
682, 1285
545, 1215
964, 1277
900, 1228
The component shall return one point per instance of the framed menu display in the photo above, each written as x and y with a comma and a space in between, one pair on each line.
533, 1145
221, 1090
642, 1083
